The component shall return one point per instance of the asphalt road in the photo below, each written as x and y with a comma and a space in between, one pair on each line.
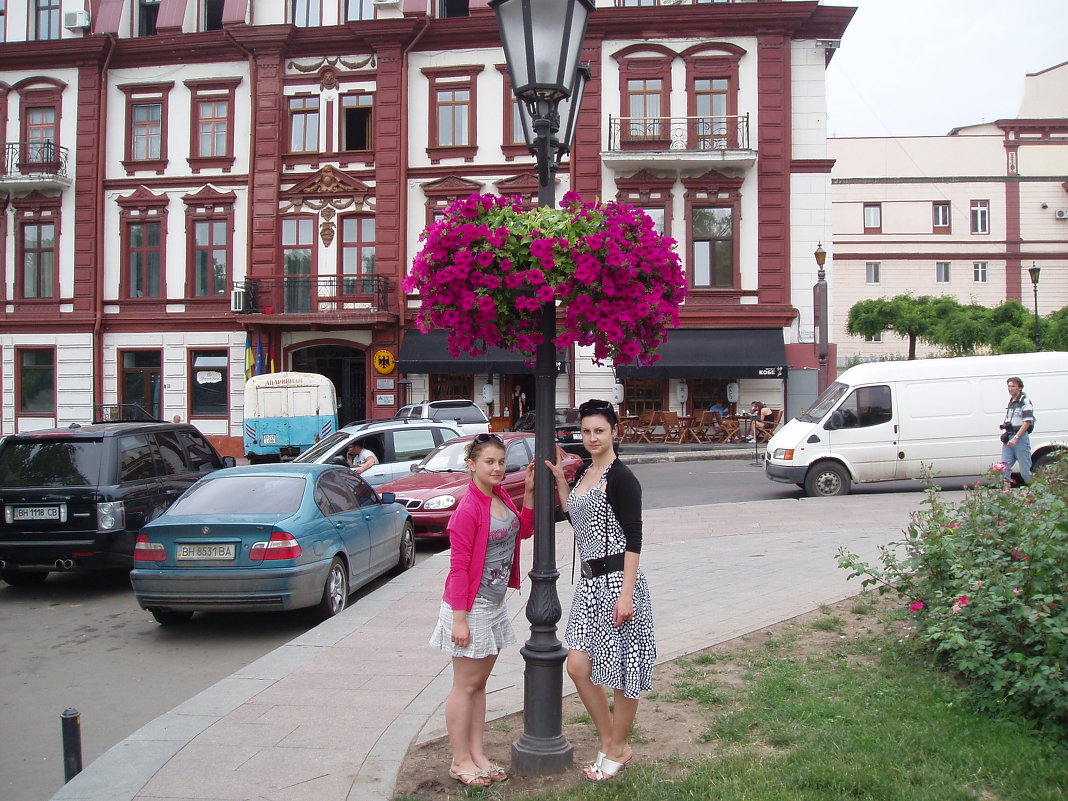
80, 640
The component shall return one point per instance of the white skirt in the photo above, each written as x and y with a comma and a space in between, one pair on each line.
491, 630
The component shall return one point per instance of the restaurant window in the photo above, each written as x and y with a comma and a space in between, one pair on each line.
706, 391
452, 112
450, 387
871, 272
712, 237
304, 124
356, 121
980, 216
213, 15
357, 254
37, 246
209, 379
147, 13
298, 244
356, 10
143, 252
46, 19
305, 13
642, 394
979, 272
36, 380
873, 218
942, 272
941, 218
140, 382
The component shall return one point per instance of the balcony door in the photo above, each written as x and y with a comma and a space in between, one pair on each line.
298, 241
141, 384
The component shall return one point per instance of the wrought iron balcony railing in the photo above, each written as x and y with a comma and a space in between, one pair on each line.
690, 134
311, 295
33, 160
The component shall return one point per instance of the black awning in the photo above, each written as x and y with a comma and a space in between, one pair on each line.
717, 353
429, 353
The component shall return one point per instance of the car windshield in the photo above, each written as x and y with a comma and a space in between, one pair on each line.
51, 463
448, 458
322, 447
824, 403
253, 495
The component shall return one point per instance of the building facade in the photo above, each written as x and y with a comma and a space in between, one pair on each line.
190, 187
964, 214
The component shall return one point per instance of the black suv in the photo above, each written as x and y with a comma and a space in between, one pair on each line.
76, 497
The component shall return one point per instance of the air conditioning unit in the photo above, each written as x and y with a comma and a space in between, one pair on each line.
1062, 214
76, 20
238, 301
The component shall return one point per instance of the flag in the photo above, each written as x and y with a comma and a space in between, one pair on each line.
259, 367
249, 358
272, 368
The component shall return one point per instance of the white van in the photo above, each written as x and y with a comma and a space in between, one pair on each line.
286, 413
884, 421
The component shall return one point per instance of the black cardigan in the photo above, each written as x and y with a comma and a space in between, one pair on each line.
624, 495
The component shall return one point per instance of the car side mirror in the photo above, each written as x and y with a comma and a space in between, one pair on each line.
338, 460
834, 422
229, 461
389, 497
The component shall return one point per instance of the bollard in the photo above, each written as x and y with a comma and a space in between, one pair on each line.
71, 721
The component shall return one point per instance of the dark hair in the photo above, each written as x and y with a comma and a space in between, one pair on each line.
1015, 380
601, 407
475, 446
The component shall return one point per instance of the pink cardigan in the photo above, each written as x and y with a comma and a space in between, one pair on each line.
468, 529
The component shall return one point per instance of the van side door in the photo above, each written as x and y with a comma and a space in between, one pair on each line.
863, 432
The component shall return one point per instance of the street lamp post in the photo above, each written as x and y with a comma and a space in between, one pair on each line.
819, 306
542, 42
1033, 271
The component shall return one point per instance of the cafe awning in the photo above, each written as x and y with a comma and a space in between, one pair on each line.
717, 353
429, 353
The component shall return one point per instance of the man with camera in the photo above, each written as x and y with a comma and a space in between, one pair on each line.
1015, 444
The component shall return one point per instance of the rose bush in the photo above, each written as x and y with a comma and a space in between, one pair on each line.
987, 579
488, 267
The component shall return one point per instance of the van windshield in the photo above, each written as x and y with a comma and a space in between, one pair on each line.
824, 403
51, 463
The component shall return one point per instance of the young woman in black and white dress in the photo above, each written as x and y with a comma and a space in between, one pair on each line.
610, 638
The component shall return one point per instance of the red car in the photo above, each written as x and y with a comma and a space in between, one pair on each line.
436, 485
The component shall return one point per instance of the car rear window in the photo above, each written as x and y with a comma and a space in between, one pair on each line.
461, 414
230, 495
51, 463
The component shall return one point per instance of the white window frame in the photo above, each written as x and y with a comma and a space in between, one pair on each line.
980, 217
942, 272
871, 272
940, 214
873, 216
980, 271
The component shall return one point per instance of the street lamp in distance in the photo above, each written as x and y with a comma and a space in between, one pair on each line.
819, 305
542, 43
1033, 271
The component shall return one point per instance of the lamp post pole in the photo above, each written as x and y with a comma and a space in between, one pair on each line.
819, 305
1033, 271
541, 45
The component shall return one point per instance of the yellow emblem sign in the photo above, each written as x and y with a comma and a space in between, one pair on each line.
384, 362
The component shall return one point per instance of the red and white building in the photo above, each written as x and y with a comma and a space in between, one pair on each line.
182, 176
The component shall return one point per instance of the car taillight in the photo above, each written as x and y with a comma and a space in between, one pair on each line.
147, 551
282, 545
110, 516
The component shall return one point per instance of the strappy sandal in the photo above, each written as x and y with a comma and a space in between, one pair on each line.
495, 773
471, 778
604, 769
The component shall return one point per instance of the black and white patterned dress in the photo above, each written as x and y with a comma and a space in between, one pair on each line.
623, 657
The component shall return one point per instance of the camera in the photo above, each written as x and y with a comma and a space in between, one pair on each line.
1007, 432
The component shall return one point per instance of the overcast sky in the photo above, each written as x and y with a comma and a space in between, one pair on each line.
923, 67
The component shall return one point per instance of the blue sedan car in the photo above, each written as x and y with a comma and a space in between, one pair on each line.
276, 536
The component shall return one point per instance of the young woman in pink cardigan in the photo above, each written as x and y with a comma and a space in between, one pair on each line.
473, 626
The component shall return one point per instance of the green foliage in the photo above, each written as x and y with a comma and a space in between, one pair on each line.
987, 581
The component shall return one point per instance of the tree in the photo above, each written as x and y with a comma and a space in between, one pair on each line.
907, 316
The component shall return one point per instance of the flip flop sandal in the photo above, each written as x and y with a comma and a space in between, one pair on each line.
495, 773
470, 778
605, 770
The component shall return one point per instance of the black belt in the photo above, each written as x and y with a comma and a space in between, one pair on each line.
593, 568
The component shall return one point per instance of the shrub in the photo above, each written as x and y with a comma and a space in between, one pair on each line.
987, 582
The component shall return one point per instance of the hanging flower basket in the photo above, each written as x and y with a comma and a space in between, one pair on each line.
487, 268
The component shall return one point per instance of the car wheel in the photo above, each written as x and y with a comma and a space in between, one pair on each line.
827, 479
21, 578
407, 548
171, 617
335, 591
1046, 459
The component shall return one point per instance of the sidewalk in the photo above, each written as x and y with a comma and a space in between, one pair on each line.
330, 715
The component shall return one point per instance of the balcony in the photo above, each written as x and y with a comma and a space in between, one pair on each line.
315, 301
678, 144
27, 166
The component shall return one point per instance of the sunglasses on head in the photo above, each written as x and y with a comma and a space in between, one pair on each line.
481, 438
594, 406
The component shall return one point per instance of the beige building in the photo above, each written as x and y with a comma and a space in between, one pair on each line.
965, 214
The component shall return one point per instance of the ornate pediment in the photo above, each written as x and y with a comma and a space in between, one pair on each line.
329, 184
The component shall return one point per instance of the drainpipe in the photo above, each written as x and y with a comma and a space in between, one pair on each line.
101, 167
252, 155
403, 138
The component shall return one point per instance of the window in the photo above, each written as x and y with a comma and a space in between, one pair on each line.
873, 217
713, 130
643, 394
874, 338
147, 13
46, 19
645, 103
212, 125
356, 111
306, 13
940, 213
453, 8
452, 112
38, 258
979, 269
146, 126
359, 10
298, 241
357, 253
866, 406
713, 247
3, 20
980, 216
942, 272
140, 380
871, 272
36, 381
211, 248
144, 252
304, 124
209, 378
657, 215
40, 136
212, 121
412, 443
146, 130
213, 15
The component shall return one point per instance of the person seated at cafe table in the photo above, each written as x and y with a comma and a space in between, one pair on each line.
760, 415
719, 408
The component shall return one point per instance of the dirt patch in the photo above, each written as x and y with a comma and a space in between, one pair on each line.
670, 724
